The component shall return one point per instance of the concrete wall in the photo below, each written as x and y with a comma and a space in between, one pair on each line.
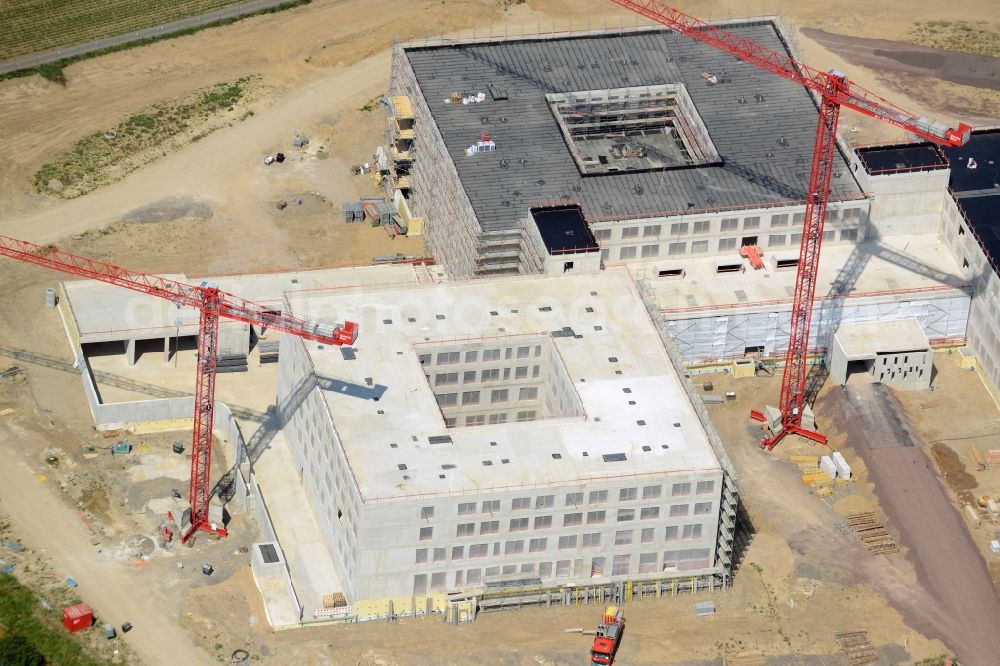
984, 312
707, 336
470, 389
906, 369
904, 203
721, 233
318, 455
377, 545
497, 542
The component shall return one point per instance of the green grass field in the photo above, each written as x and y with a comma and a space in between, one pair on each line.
34, 635
30, 26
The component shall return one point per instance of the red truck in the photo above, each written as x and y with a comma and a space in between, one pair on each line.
608, 637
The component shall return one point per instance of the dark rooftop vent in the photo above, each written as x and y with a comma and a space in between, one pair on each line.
348, 353
401, 467
614, 457
447, 466
439, 439
268, 552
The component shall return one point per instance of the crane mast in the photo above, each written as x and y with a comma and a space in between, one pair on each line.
213, 304
834, 91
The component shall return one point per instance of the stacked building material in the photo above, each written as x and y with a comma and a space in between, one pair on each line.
857, 646
827, 465
843, 469
231, 363
348, 208
268, 351
872, 533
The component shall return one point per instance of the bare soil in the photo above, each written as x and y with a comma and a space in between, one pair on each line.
890, 57
209, 207
947, 561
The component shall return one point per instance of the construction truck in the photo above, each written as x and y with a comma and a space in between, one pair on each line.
608, 636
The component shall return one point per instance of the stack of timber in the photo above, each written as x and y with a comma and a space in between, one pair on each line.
268, 351
857, 646
872, 533
231, 363
819, 482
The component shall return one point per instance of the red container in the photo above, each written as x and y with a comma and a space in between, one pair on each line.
77, 618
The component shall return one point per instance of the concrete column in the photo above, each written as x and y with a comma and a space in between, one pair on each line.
130, 351
166, 349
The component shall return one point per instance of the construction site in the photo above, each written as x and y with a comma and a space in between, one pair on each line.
558, 329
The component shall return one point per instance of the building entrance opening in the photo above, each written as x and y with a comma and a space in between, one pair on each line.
748, 240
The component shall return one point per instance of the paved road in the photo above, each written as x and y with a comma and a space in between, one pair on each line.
165, 29
46, 524
947, 562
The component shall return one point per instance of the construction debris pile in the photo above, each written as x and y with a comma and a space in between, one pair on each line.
857, 646
872, 533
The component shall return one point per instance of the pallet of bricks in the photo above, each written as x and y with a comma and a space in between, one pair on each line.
819, 482
872, 533
857, 646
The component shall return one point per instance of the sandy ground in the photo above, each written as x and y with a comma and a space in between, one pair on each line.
947, 561
324, 61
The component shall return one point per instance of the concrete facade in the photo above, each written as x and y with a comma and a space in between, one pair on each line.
476, 207
896, 353
538, 502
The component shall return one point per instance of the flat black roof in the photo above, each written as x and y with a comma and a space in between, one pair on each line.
564, 229
766, 143
984, 148
903, 157
977, 190
983, 213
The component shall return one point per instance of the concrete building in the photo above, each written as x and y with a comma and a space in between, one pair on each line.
955, 194
481, 435
625, 124
896, 353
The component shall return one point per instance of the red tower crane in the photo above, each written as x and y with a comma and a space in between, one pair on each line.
213, 304
835, 91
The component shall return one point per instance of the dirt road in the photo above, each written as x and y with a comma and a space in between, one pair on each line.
888, 56
947, 562
108, 587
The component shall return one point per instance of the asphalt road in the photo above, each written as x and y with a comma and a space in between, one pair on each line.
165, 29
948, 564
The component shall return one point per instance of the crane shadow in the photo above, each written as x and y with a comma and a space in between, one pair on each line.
846, 282
274, 419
